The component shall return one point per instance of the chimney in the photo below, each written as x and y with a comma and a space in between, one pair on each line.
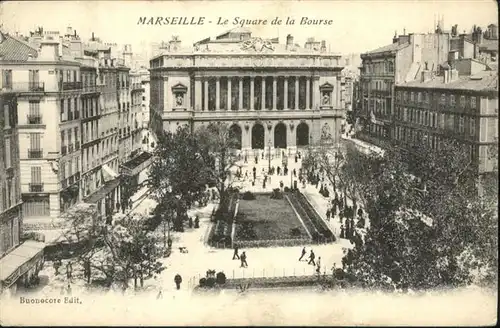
49, 50
323, 46
395, 37
289, 41
446, 76
93, 39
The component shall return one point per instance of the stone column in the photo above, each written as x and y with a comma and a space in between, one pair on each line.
263, 96
275, 92
315, 92
252, 91
197, 94
229, 93
296, 92
217, 93
308, 93
240, 93
285, 93
205, 85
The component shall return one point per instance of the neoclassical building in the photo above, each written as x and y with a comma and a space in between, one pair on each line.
272, 95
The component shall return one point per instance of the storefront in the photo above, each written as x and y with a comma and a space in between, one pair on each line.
20, 267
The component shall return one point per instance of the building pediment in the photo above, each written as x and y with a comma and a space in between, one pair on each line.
326, 87
179, 87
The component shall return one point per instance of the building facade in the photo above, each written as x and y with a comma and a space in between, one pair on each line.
451, 105
48, 89
272, 95
20, 261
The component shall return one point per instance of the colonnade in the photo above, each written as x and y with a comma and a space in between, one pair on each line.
256, 93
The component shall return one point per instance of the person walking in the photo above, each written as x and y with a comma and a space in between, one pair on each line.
318, 265
303, 254
243, 259
178, 280
311, 258
235, 255
69, 271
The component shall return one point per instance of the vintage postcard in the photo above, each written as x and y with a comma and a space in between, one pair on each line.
233, 163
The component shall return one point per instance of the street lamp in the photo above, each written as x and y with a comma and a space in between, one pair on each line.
269, 155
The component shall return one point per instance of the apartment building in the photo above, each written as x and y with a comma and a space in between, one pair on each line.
384, 67
20, 261
459, 104
48, 88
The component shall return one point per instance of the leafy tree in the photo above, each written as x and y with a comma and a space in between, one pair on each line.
217, 150
426, 231
117, 253
177, 176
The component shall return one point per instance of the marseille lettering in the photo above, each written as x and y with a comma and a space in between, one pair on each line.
182, 20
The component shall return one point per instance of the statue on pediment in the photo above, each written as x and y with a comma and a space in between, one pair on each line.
325, 132
257, 44
179, 99
326, 99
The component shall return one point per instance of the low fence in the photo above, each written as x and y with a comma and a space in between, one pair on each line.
272, 242
268, 274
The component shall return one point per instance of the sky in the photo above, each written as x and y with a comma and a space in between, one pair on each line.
358, 26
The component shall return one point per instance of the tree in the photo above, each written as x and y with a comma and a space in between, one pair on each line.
117, 253
425, 231
178, 175
218, 153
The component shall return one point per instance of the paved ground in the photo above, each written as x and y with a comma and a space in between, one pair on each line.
262, 262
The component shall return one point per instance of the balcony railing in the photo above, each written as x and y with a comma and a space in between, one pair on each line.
36, 187
64, 150
34, 119
35, 153
71, 85
25, 86
91, 88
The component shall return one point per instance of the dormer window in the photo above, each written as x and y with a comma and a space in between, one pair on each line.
179, 96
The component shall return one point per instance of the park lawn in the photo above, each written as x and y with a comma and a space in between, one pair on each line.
267, 219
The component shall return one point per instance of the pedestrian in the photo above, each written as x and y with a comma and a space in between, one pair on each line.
243, 259
197, 222
68, 289
160, 294
278, 170
318, 265
178, 280
303, 254
246, 175
235, 255
342, 231
57, 264
86, 271
296, 158
328, 214
311, 258
294, 173
69, 270
190, 222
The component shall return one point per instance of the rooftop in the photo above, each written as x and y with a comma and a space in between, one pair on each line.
390, 47
13, 49
482, 81
489, 45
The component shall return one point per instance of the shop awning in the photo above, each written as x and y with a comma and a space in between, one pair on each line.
137, 164
108, 173
19, 261
103, 191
